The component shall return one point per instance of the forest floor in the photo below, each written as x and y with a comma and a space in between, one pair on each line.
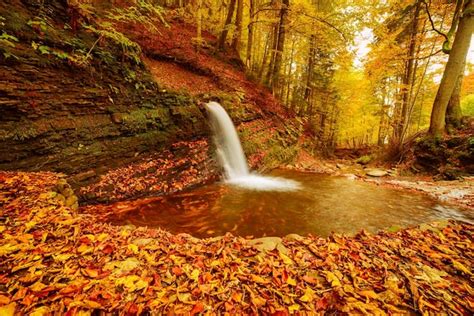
56, 260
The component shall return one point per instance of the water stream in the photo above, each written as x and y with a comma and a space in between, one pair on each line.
327, 203
284, 202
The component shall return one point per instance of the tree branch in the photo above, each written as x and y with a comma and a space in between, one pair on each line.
432, 23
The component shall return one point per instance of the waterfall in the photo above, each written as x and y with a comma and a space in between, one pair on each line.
229, 150
232, 158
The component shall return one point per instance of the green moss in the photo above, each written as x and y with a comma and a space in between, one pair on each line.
363, 160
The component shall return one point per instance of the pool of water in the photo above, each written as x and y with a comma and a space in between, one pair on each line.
322, 205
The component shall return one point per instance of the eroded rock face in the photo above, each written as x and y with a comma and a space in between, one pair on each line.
63, 116
86, 120
55, 119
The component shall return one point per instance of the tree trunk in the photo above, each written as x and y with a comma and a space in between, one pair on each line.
454, 68
309, 74
280, 44
238, 27
198, 8
248, 57
261, 70
454, 112
407, 80
271, 65
227, 24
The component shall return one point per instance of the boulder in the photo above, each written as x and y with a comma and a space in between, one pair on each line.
265, 244
376, 172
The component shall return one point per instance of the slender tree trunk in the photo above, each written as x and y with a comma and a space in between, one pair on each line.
454, 112
309, 74
238, 27
264, 58
454, 68
248, 57
280, 44
198, 8
271, 65
227, 24
407, 80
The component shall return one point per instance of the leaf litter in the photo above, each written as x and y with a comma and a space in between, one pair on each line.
57, 260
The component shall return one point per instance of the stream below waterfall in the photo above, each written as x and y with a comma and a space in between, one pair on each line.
323, 204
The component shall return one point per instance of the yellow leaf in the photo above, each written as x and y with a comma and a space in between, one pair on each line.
7, 249
37, 287
333, 246
184, 298
92, 304
62, 257
40, 311
90, 237
133, 248
332, 278
92, 273
8, 310
369, 294
461, 267
124, 233
2, 229
258, 301
308, 295
285, 258
291, 281
85, 249
102, 237
194, 275
68, 222
294, 307
140, 284
131, 282
258, 279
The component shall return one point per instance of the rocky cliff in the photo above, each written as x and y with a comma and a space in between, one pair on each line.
78, 101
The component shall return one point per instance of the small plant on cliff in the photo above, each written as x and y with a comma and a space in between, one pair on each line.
6, 40
142, 12
130, 49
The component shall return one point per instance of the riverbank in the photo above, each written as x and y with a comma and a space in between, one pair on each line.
457, 192
57, 260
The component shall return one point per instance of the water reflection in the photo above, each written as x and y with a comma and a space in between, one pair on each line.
325, 204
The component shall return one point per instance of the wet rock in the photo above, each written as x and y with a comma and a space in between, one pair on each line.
265, 244
71, 200
67, 191
61, 198
294, 237
376, 172
116, 118
364, 160
350, 176
84, 176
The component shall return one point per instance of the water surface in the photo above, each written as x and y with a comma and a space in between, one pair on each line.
322, 205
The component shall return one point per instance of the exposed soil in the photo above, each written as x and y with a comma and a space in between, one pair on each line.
172, 76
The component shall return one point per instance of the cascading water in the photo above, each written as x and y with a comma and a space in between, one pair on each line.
232, 158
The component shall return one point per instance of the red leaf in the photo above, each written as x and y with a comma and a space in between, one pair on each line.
198, 308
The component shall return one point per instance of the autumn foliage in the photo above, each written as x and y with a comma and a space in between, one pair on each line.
55, 260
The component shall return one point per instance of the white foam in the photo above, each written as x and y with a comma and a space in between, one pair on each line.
261, 183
